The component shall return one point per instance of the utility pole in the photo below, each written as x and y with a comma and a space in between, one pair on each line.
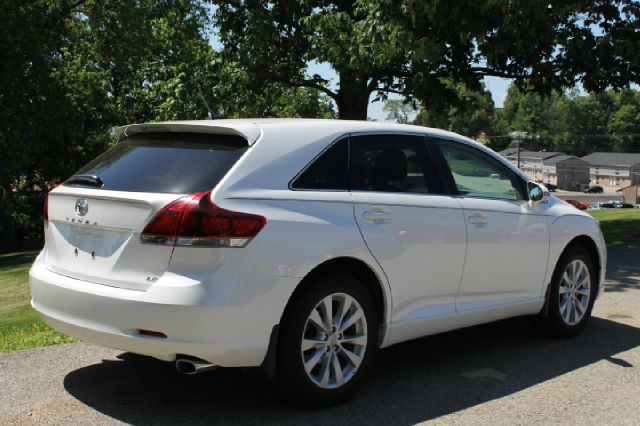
518, 136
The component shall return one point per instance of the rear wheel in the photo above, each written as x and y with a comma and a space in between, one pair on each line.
328, 341
571, 294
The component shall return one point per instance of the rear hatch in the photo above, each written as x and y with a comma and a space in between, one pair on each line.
95, 218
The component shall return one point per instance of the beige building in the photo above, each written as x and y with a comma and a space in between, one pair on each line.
614, 170
566, 172
531, 162
611, 170
631, 194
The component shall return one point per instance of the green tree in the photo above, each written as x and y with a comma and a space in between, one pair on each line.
572, 122
74, 69
31, 103
471, 115
624, 124
418, 48
233, 94
398, 110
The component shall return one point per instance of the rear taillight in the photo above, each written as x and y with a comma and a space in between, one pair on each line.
194, 220
46, 208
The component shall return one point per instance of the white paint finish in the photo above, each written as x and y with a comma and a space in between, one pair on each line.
507, 253
565, 229
410, 235
304, 230
411, 329
110, 257
416, 245
567, 223
226, 317
109, 209
104, 246
302, 234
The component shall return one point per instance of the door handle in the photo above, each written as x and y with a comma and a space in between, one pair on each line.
477, 219
376, 216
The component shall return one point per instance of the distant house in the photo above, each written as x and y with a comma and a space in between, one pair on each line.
566, 172
531, 162
614, 169
511, 151
631, 194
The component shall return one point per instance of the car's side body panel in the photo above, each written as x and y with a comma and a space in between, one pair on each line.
305, 230
417, 232
509, 239
411, 329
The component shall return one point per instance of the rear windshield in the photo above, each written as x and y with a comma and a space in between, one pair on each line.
165, 162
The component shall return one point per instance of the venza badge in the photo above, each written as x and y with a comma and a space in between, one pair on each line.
82, 207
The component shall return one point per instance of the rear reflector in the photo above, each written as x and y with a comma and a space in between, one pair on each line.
194, 220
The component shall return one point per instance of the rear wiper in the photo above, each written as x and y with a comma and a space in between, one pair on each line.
89, 180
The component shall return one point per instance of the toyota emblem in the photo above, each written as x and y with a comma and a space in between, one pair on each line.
82, 207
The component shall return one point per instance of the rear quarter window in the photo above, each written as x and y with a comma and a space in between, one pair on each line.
330, 171
166, 162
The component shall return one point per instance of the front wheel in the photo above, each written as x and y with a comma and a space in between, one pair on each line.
329, 339
571, 294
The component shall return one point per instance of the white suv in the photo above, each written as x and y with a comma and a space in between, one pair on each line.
303, 246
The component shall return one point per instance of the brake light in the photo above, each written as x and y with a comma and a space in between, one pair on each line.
194, 220
46, 208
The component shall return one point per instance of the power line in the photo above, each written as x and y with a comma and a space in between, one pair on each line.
581, 135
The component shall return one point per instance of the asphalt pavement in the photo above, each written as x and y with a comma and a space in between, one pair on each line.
500, 373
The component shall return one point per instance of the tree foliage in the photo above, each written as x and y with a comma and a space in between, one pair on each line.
424, 48
74, 69
399, 111
572, 122
471, 115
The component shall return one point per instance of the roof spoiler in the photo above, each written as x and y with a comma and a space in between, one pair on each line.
249, 131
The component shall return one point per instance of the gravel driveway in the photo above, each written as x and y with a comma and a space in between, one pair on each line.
504, 372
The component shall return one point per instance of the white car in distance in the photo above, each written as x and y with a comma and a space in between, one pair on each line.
304, 246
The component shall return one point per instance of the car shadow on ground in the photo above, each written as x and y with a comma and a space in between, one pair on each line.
411, 382
623, 269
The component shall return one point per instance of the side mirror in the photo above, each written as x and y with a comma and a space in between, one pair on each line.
536, 192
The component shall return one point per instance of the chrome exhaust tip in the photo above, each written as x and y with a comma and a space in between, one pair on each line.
193, 366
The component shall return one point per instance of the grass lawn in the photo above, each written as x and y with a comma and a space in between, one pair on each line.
621, 227
20, 325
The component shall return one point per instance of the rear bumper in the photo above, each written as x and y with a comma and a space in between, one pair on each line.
215, 321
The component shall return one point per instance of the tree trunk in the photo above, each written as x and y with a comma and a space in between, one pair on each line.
353, 98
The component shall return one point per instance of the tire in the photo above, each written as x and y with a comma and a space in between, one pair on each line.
353, 349
570, 298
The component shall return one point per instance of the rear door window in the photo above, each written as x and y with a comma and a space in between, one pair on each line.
392, 163
177, 163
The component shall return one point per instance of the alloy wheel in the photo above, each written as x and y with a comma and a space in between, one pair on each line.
334, 340
575, 292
